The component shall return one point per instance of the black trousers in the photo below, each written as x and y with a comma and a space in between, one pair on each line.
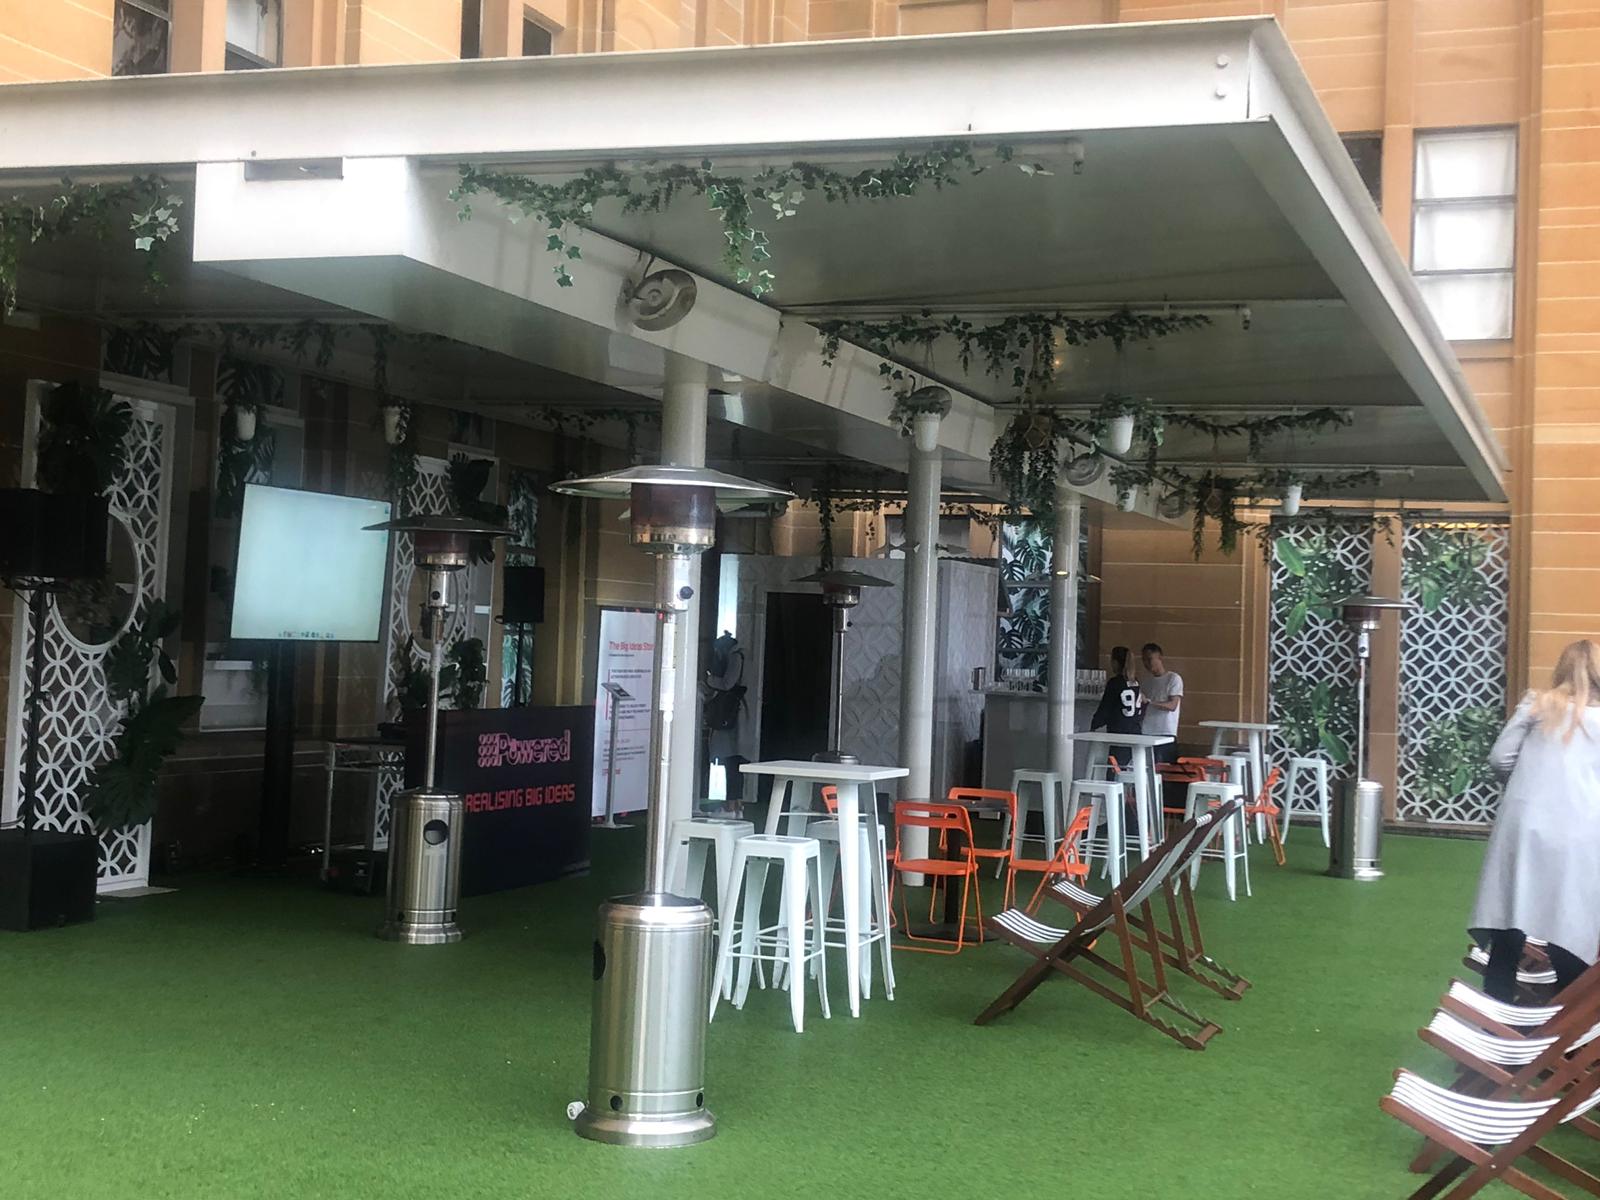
1505, 956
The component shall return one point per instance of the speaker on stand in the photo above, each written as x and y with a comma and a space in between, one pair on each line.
523, 607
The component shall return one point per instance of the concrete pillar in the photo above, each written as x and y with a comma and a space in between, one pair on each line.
919, 643
683, 444
1063, 657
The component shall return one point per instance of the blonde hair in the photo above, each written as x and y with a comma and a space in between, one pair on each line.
1576, 686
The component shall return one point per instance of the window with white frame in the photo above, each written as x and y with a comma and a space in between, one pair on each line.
1463, 235
141, 37
254, 31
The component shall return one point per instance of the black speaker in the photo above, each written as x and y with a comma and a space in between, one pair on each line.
45, 536
46, 878
524, 595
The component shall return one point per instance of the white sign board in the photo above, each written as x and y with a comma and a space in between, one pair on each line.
627, 653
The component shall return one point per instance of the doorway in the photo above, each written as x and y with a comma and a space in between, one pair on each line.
795, 676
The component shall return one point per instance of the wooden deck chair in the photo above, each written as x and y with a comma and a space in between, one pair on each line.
1502, 1051
1180, 944
1072, 952
1488, 1138
1535, 976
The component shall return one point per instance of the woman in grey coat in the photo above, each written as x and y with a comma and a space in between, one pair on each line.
1541, 876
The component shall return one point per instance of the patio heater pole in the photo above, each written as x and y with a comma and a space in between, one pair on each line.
1062, 683
425, 826
1358, 814
685, 397
652, 950
841, 592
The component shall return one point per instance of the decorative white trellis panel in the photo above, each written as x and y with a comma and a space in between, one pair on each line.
1322, 650
78, 724
429, 494
1452, 665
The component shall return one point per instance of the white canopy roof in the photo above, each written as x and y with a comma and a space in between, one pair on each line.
1211, 182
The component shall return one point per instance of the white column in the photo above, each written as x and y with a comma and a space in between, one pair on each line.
919, 643
683, 444
1064, 628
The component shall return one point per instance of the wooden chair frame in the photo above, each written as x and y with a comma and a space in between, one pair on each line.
1129, 902
1471, 1167
1491, 1081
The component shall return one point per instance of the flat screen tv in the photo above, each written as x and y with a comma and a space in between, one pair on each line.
309, 570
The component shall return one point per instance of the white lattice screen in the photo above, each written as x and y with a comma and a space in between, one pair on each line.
1453, 646
1311, 653
77, 723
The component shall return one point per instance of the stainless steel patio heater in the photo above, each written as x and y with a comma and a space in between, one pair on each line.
424, 888
1356, 851
652, 951
841, 592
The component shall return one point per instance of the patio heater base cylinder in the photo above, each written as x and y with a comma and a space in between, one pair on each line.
424, 869
1357, 851
647, 1040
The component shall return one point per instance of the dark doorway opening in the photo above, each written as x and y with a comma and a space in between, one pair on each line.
795, 677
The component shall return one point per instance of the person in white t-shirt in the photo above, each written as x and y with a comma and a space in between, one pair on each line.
1163, 696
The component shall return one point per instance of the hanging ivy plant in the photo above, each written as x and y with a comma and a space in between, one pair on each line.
1020, 348
122, 791
564, 209
146, 203
1025, 460
1216, 498
1259, 429
910, 403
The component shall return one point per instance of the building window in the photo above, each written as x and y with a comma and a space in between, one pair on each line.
1463, 231
1366, 152
471, 28
537, 41
254, 35
141, 37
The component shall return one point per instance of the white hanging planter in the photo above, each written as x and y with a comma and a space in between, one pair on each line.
244, 424
1291, 498
1119, 434
392, 433
1128, 498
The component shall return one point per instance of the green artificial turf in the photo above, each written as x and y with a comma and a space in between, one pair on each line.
252, 1039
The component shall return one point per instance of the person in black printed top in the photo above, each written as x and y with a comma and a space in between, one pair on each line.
1121, 705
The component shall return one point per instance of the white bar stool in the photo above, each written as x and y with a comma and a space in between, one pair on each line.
1050, 809
800, 859
1317, 769
1103, 796
1242, 770
1235, 832
872, 903
692, 837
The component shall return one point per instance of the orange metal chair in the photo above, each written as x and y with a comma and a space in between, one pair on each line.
999, 855
946, 819
830, 799
1068, 860
1263, 806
